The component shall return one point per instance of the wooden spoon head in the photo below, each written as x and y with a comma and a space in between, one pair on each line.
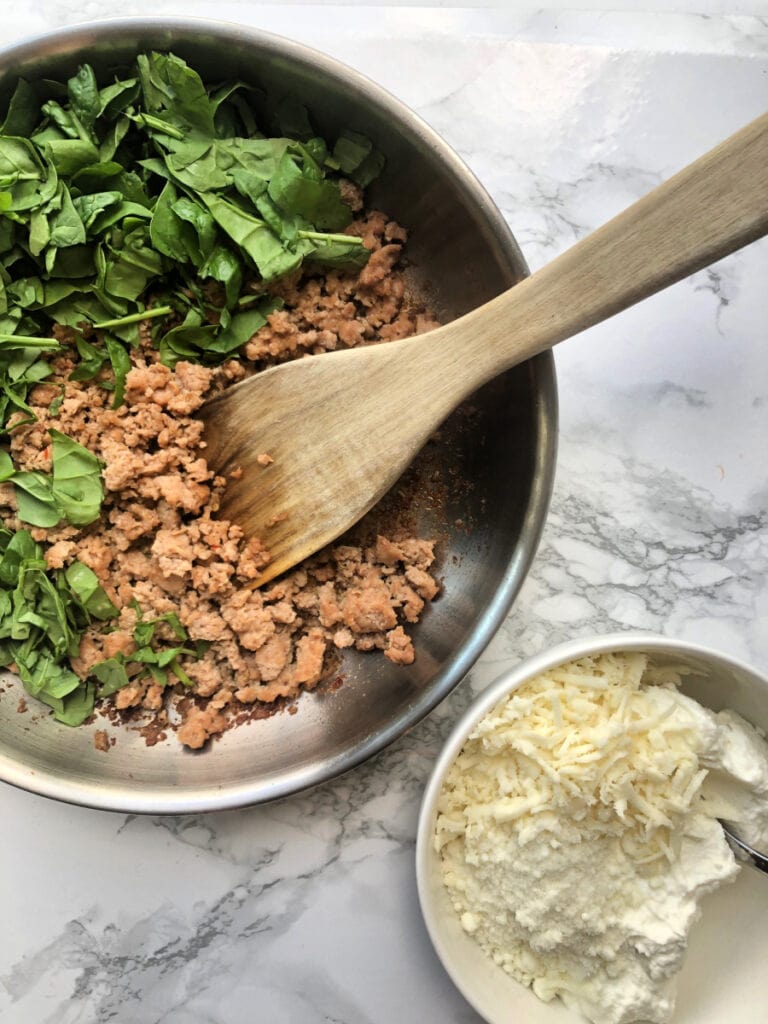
314, 443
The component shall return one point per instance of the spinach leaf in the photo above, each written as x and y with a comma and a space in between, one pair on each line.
175, 92
254, 238
297, 188
91, 205
111, 675
84, 99
181, 228
87, 591
194, 214
121, 365
246, 164
7, 237
20, 369
77, 488
23, 111
241, 329
66, 227
357, 158
292, 119
126, 210
24, 174
73, 491
187, 341
16, 548
233, 115
92, 360
224, 266
78, 261
129, 261
6, 465
71, 156
60, 122
74, 708
34, 498
113, 139
118, 97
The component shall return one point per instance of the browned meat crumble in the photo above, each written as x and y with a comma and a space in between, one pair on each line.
101, 740
160, 545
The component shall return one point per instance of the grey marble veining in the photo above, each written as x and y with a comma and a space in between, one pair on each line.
306, 910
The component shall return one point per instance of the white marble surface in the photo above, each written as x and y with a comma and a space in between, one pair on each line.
306, 911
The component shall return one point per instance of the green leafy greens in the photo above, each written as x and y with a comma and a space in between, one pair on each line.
115, 197
43, 613
150, 659
73, 492
151, 200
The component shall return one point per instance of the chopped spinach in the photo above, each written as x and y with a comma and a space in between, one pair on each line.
157, 183
152, 197
151, 659
43, 613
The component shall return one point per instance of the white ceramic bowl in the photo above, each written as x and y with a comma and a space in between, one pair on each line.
722, 980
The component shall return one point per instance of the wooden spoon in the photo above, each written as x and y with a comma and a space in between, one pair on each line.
341, 427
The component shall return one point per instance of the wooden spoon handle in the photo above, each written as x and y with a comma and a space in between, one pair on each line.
711, 208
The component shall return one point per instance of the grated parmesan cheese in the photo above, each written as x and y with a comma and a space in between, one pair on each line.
577, 830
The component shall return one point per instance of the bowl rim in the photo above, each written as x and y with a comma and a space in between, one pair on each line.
174, 800
504, 685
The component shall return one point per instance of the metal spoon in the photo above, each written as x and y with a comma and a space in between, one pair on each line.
744, 852
340, 428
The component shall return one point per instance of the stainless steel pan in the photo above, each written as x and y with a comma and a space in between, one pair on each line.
482, 487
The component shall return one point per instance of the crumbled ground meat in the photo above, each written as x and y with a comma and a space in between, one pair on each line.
101, 740
340, 310
160, 547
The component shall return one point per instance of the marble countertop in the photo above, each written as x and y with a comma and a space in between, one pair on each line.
305, 911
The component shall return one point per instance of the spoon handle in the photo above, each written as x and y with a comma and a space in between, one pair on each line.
711, 208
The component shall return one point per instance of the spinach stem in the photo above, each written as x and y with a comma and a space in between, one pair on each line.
135, 318
161, 126
24, 341
248, 300
322, 237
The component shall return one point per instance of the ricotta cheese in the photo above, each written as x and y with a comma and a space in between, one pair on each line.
578, 831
